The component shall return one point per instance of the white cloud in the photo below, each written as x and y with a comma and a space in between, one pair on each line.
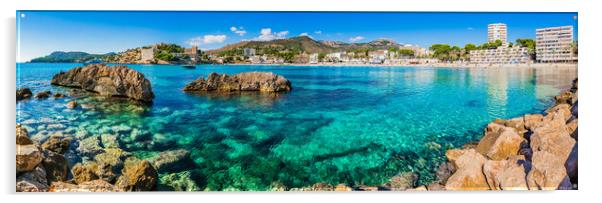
356, 38
304, 34
267, 34
207, 39
239, 31
318, 32
470, 28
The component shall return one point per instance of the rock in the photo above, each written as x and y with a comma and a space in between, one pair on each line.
572, 126
506, 174
444, 172
58, 95
248, 81
33, 181
90, 146
499, 142
83, 173
453, 154
565, 98
179, 182
571, 165
90, 186
560, 109
342, 188
116, 81
322, 187
43, 94
547, 172
170, 160
435, 187
109, 163
24, 93
402, 181
419, 188
23, 136
367, 188
137, 175
71, 104
57, 144
553, 136
532, 120
56, 166
109, 141
575, 109
469, 174
28, 157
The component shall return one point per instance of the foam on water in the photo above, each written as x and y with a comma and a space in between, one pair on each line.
353, 125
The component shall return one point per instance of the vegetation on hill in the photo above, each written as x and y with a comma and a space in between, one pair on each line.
69, 57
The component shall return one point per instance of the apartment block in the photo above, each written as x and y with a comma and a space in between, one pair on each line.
497, 31
501, 55
554, 44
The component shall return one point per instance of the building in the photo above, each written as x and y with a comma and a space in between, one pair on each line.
335, 57
497, 31
313, 58
192, 52
248, 52
500, 55
147, 54
554, 44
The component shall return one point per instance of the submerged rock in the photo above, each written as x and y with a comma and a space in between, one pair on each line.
24, 93
116, 81
248, 81
43, 94
181, 181
402, 181
83, 173
72, 104
170, 160
57, 143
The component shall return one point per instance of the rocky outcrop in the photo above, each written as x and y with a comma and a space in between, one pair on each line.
24, 93
532, 152
32, 181
90, 186
116, 81
43, 94
28, 157
248, 81
402, 181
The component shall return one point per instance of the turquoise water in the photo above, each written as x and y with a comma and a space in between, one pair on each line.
353, 125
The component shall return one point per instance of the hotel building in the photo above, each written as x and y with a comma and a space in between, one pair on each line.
497, 31
554, 44
501, 55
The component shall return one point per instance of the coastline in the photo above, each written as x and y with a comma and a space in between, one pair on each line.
436, 65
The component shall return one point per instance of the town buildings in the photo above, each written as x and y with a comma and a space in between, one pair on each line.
248, 52
497, 31
192, 52
147, 54
555, 44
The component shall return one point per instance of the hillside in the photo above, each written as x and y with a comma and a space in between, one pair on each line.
69, 57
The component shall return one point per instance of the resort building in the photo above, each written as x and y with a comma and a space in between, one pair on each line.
554, 44
147, 54
500, 55
313, 58
497, 31
248, 52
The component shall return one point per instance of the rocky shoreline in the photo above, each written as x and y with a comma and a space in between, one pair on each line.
531, 152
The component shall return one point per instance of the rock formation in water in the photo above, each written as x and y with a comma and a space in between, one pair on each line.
248, 81
531, 152
24, 93
116, 81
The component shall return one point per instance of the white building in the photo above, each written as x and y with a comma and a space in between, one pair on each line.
313, 58
248, 52
497, 31
501, 55
554, 44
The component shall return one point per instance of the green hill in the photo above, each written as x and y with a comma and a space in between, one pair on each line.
69, 57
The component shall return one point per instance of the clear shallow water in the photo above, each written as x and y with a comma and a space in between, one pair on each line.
353, 125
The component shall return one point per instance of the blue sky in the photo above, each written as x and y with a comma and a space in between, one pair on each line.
41, 32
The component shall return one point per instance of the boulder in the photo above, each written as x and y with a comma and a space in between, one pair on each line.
90, 186
571, 164
499, 142
248, 81
506, 174
453, 154
547, 172
402, 181
116, 81
32, 181
109, 163
553, 136
532, 120
137, 175
469, 174
445, 170
342, 188
57, 144
170, 160
56, 166
23, 136
24, 93
28, 157
83, 173
58, 95
43, 94
90, 146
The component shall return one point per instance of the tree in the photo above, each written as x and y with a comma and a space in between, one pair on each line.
529, 44
470, 47
406, 52
440, 51
321, 56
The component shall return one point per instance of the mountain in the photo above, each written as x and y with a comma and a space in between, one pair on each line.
69, 57
302, 44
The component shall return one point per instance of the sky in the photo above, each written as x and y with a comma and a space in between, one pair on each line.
41, 32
